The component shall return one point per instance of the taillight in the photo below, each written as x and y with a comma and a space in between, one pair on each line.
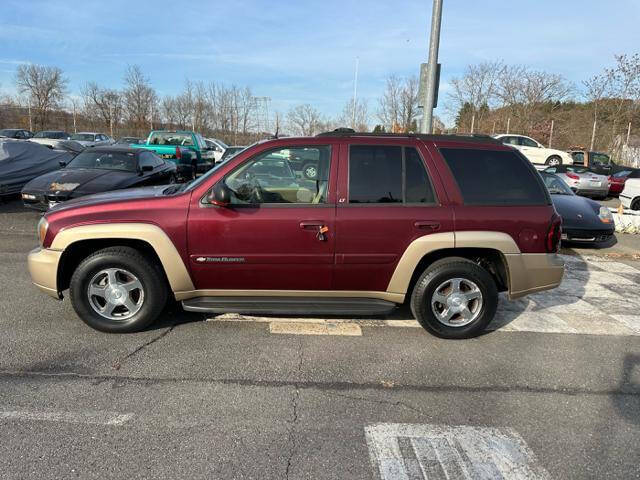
178, 153
573, 176
554, 235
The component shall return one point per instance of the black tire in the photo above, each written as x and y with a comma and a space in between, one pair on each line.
635, 205
438, 273
148, 273
308, 168
553, 160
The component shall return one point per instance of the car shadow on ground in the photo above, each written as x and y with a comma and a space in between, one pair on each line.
12, 204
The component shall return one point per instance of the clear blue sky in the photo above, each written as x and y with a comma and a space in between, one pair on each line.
304, 51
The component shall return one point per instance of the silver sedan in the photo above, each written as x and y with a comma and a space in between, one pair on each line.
582, 180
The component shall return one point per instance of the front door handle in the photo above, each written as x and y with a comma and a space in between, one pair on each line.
312, 224
427, 225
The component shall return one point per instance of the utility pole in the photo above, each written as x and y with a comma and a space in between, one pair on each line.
432, 66
593, 134
30, 121
508, 124
628, 132
74, 117
111, 120
551, 134
355, 95
473, 123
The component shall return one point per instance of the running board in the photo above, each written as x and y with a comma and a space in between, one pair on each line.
289, 305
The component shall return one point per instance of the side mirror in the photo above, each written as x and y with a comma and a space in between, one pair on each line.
62, 163
220, 195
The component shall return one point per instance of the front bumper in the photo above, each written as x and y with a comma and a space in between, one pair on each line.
533, 272
587, 236
625, 201
43, 268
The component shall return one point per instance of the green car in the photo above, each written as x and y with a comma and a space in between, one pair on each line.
187, 149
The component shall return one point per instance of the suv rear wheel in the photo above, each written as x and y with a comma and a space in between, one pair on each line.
454, 298
118, 290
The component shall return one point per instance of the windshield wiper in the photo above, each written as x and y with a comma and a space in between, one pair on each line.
171, 189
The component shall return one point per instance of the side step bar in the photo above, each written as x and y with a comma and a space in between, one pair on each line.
289, 305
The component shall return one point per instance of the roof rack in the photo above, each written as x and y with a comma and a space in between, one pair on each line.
473, 137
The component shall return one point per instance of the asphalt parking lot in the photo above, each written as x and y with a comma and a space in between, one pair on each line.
552, 391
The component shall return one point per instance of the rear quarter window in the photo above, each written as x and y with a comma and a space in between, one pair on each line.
494, 177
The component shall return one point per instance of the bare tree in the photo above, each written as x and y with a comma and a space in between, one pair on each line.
44, 86
361, 115
623, 87
398, 105
140, 99
477, 87
304, 120
596, 88
524, 91
103, 103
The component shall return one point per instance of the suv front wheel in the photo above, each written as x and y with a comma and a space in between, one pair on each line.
454, 298
118, 290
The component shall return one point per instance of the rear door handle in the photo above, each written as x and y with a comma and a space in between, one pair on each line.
426, 225
312, 224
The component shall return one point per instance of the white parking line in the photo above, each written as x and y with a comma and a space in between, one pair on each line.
91, 418
434, 452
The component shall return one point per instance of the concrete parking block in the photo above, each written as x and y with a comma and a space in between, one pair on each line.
301, 328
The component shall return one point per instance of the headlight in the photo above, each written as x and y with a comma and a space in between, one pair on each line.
605, 215
28, 196
43, 225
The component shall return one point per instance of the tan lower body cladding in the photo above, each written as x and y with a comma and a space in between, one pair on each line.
527, 273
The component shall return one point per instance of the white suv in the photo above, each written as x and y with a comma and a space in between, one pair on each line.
535, 151
630, 196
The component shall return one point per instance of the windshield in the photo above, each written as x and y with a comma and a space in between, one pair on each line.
622, 174
171, 138
221, 144
124, 161
83, 136
555, 185
231, 151
7, 132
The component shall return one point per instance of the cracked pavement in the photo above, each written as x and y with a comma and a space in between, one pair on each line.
196, 399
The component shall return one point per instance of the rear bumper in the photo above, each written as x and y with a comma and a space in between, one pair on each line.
43, 268
591, 192
533, 272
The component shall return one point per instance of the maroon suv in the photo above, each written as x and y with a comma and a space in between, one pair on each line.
443, 223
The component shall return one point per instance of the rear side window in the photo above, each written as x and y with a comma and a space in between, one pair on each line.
386, 174
375, 174
490, 177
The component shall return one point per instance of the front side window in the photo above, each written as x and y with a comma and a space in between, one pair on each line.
510, 140
385, 174
494, 177
268, 178
527, 142
578, 157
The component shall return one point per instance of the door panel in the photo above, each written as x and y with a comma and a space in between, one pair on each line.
261, 248
270, 246
371, 238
